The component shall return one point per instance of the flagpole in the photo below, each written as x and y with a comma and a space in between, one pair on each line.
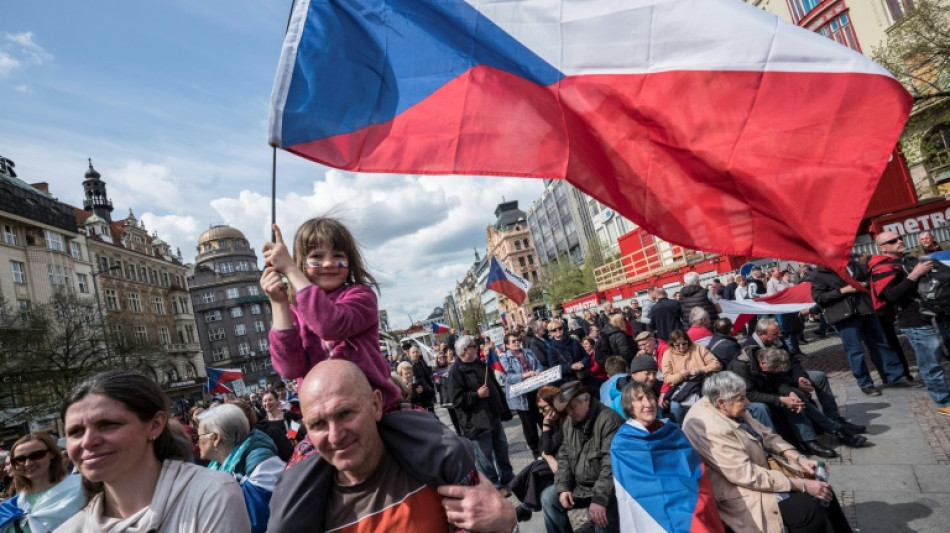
273, 163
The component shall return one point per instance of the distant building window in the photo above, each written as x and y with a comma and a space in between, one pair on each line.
135, 302
521, 261
800, 8
23, 305
517, 245
164, 337
213, 316
233, 292
130, 271
82, 284
118, 333
259, 326
244, 348
243, 266
112, 300
209, 297
165, 280
75, 251
54, 241
141, 335
255, 309
240, 329
9, 235
143, 274
118, 268
253, 290
839, 29
220, 354
264, 345
899, 8
530, 259
237, 312
154, 277
19, 272
216, 334
55, 275
159, 304
226, 267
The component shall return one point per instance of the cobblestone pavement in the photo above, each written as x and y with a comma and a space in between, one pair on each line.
901, 484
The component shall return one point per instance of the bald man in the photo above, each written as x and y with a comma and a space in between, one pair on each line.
894, 282
373, 475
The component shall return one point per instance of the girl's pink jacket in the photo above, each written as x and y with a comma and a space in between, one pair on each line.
343, 324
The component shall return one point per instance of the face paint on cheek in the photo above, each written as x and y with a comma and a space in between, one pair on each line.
342, 264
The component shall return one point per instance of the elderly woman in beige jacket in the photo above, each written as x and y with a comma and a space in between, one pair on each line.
683, 361
735, 448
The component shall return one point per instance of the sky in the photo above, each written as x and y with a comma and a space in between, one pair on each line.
170, 99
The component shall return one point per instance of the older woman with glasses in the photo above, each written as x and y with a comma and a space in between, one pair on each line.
567, 353
736, 449
685, 365
46, 497
521, 364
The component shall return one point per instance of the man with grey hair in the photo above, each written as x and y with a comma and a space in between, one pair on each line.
584, 477
693, 295
928, 245
481, 406
699, 324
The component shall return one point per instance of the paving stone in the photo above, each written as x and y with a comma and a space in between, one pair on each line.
901, 512
933, 478
897, 478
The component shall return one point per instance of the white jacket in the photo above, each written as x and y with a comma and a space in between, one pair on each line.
188, 498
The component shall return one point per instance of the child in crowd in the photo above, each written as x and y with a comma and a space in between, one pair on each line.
335, 316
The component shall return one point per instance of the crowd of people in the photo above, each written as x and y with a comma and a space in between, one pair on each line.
644, 416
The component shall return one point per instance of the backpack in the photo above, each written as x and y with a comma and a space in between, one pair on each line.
933, 288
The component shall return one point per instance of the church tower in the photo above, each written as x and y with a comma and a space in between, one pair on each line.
97, 200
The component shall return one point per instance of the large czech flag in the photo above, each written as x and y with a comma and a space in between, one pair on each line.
661, 482
791, 300
709, 123
503, 281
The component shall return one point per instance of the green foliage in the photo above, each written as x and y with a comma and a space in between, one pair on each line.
917, 51
473, 314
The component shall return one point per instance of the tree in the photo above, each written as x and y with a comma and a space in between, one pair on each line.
47, 350
473, 315
917, 51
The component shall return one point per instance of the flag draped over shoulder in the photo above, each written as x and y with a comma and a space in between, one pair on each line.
661, 482
709, 123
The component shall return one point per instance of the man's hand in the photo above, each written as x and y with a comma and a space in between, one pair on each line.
919, 270
663, 402
847, 289
793, 402
478, 508
566, 499
597, 514
805, 385
577, 367
483, 391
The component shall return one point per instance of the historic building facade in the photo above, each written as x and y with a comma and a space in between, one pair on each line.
232, 312
509, 240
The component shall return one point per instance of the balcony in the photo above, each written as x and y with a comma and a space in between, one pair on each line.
650, 261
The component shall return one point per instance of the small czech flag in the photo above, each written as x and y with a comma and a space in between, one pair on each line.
492, 361
438, 329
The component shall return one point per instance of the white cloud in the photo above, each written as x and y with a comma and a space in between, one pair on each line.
7, 63
140, 183
24, 43
178, 231
418, 233
22, 88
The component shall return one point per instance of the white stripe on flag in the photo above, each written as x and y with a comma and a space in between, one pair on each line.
633, 517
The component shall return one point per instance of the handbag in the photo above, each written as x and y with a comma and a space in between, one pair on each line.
840, 311
789, 469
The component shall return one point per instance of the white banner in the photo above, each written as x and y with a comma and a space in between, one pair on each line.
239, 388
536, 382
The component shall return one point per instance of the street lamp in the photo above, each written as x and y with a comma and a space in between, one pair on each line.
102, 320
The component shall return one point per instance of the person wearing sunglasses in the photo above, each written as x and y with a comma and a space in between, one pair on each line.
685, 364
46, 497
567, 353
895, 288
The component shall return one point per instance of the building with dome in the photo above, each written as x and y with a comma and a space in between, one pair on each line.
231, 310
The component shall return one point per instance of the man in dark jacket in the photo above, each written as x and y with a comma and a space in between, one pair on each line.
614, 341
583, 477
535, 343
766, 373
851, 312
722, 344
665, 315
729, 289
481, 406
693, 295
895, 287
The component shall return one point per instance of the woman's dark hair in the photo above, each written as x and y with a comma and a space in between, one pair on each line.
57, 469
272, 393
144, 397
680, 335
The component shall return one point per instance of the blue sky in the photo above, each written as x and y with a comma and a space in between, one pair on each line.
170, 100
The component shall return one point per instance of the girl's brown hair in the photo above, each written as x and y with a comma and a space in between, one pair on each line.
331, 233
57, 467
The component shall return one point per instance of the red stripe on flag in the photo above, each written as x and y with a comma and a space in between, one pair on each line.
737, 141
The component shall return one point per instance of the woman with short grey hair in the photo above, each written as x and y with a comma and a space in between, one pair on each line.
464, 342
250, 455
736, 449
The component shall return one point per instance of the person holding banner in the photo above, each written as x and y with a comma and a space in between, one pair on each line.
520, 364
